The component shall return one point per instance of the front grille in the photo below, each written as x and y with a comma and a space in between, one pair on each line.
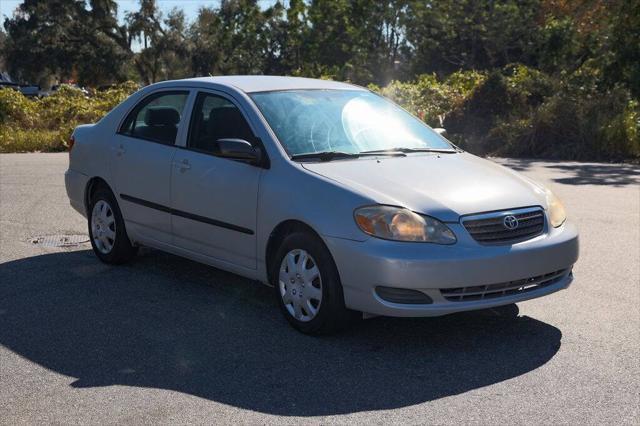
492, 291
491, 229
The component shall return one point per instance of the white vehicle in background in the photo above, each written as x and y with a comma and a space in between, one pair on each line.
30, 90
56, 87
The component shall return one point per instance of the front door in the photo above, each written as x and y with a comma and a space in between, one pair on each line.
214, 199
141, 164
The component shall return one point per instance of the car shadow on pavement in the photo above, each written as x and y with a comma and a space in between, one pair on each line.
618, 175
599, 174
169, 323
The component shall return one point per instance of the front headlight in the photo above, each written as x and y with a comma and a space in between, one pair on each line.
557, 215
398, 224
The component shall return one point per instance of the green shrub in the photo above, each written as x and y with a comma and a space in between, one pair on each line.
46, 124
580, 128
479, 111
516, 111
428, 97
16, 110
523, 112
404, 94
463, 83
527, 88
33, 140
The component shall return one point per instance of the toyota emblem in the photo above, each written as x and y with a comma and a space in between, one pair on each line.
510, 222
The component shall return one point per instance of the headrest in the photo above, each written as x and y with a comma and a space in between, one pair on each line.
227, 122
161, 116
226, 114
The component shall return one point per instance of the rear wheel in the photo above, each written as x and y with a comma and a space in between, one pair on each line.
107, 232
307, 285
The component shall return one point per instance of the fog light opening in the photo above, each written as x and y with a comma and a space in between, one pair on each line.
403, 295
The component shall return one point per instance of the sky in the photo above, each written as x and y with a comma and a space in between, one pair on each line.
190, 7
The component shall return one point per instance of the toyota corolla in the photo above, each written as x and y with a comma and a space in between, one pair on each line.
342, 201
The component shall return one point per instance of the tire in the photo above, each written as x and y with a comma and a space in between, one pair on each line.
107, 232
295, 260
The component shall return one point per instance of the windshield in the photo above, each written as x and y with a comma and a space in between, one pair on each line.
311, 121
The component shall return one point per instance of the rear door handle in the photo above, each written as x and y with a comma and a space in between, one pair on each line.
183, 165
120, 150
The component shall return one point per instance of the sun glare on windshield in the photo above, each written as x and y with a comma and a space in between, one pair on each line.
372, 127
350, 121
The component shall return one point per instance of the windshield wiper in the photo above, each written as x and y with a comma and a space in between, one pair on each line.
324, 155
410, 150
333, 155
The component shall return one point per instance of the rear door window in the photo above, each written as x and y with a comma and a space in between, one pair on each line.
157, 117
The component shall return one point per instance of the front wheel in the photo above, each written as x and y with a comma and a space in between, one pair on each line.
107, 233
307, 285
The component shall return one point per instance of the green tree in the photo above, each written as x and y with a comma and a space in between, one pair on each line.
204, 33
625, 46
42, 39
448, 35
356, 40
378, 30
241, 38
285, 30
145, 27
104, 56
296, 33
3, 40
275, 40
174, 48
65, 39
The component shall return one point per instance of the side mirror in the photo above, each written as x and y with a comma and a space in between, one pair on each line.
441, 131
238, 149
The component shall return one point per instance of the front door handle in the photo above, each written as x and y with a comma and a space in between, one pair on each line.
183, 165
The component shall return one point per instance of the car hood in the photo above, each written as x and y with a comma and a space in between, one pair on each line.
444, 186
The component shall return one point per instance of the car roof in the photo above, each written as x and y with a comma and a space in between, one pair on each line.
267, 83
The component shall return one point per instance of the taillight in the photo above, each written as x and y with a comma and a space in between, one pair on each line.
72, 141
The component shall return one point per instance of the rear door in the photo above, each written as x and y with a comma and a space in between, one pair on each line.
141, 164
214, 199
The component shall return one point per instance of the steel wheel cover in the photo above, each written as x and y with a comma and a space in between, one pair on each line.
103, 227
300, 285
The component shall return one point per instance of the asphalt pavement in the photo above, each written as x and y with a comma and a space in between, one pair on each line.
167, 340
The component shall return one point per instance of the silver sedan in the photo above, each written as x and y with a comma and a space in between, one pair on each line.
342, 201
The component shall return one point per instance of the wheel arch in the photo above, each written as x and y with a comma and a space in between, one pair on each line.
278, 235
92, 185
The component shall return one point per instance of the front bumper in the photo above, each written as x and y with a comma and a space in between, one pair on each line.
429, 267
